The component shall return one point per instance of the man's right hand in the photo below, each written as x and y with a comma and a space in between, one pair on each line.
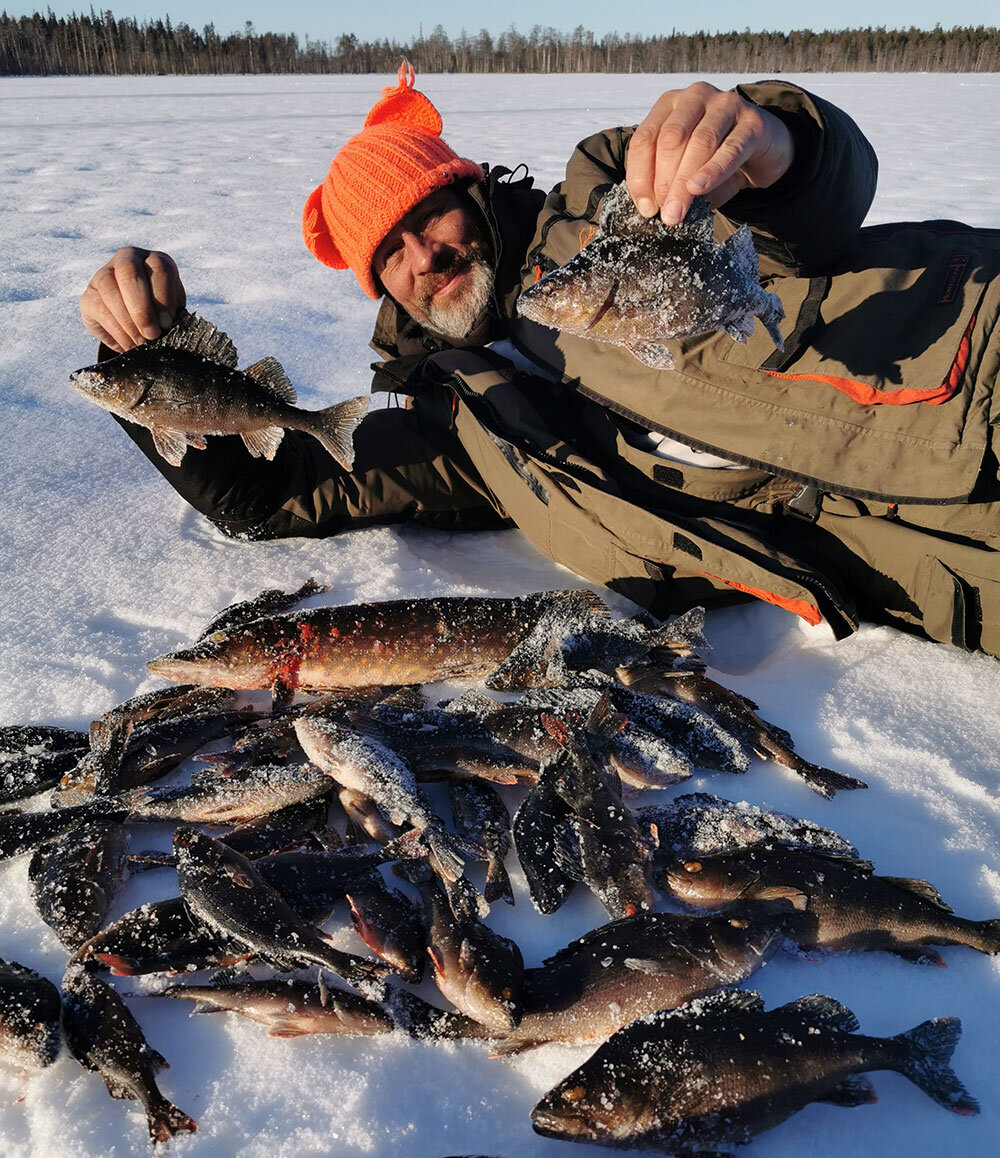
132, 299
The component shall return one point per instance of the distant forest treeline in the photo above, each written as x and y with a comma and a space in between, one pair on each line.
99, 44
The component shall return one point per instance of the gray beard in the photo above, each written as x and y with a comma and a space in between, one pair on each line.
457, 320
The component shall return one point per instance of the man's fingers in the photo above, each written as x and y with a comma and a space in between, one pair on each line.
103, 324
135, 297
701, 140
166, 288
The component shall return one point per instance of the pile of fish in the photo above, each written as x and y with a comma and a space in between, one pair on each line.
320, 794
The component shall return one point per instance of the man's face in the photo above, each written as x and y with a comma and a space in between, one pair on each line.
436, 262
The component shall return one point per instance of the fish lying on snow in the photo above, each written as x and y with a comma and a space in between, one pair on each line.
185, 385
401, 641
718, 1071
30, 1009
839, 903
290, 1008
638, 282
104, 1036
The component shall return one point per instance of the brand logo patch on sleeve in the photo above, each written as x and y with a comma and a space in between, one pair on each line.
953, 278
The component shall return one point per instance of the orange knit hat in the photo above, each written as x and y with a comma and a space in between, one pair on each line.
396, 160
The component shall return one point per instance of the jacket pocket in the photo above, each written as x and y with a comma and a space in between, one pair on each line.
895, 325
961, 604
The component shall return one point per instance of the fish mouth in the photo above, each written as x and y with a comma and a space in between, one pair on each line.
603, 308
553, 1121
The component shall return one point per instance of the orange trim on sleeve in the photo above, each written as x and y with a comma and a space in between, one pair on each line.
799, 606
868, 396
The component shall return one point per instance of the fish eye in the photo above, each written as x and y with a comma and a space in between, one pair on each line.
692, 866
573, 1095
739, 922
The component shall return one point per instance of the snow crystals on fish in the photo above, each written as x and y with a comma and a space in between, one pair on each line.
638, 282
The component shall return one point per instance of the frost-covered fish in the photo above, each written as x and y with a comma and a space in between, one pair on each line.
186, 385
479, 971
22, 832
401, 641
720, 1070
74, 880
634, 966
738, 716
482, 816
365, 764
34, 757
289, 1008
104, 1036
638, 282
224, 891
217, 797
30, 1009
599, 841
699, 824
838, 901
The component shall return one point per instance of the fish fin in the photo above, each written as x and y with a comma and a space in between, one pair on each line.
922, 889
264, 442
282, 691
115, 1088
170, 444
652, 354
237, 877
916, 954
166, 1120
698, 223
566, 852
510, 1048
655, 968
823, 1013
156, 1059
198, 336
822, 780
856, 1090
334, 427
740, 329
929, 1048
498, 887
285, 1027
527, 666
798, 899
472, 703
464, 899
198, 441
771, 312
269, 374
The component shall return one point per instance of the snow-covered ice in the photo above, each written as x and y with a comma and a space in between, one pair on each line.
104, 567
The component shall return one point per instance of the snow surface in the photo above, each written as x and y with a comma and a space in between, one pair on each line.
104, 567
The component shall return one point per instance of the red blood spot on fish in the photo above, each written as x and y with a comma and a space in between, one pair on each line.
118, 965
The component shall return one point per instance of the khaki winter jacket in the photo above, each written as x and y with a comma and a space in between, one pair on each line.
882, 399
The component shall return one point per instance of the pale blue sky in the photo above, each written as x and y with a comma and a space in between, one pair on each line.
401, 20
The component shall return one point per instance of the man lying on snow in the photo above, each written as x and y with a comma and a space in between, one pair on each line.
851, 475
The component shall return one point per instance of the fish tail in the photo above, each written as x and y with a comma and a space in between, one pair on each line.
985, 936
166, 1120
335, 426
497, 882
927, 1050
823, 780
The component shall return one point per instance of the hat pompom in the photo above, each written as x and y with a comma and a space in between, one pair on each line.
404, 105
317, 237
